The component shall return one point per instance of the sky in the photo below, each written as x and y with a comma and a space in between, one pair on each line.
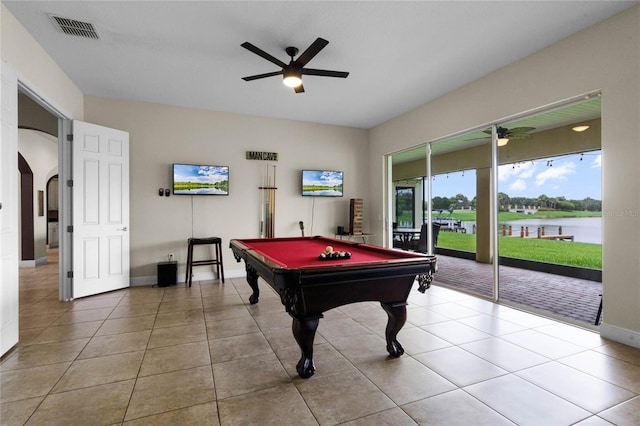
575, 176
322, 178
195, 173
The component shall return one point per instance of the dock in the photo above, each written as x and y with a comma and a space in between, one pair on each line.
540, 234
552, 237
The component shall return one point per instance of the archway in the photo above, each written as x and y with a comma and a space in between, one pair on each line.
52, 211
27, 251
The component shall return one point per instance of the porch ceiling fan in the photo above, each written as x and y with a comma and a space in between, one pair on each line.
504, 134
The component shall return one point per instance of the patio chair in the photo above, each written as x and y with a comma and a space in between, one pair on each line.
420, 245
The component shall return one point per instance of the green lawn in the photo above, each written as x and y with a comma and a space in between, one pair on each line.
584, 255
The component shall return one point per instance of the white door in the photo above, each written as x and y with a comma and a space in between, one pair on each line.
8, 209
100, 209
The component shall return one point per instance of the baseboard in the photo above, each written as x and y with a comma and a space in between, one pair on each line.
27, 264
235, 273
621, 335
197, 276
33, 263
142, 281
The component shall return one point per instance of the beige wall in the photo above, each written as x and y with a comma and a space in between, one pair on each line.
36, 69
603, 57
162, 135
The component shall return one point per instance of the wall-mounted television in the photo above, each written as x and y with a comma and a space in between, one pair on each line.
322, 183
195, 179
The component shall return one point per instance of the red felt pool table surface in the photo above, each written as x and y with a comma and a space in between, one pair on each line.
301, 252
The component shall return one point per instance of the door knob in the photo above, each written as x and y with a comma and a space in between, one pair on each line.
123, 229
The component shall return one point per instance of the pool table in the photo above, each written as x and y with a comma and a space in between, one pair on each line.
309, 286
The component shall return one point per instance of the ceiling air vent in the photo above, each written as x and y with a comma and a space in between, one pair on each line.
75, 28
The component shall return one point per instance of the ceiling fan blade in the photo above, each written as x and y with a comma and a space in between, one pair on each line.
299, 89
311, 51
520, 130
325, 73
255, 77
250, 47
519, 133
512, 133
517, 136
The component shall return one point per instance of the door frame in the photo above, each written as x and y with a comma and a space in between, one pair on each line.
398, 189
47, 204
64, 192
26, 212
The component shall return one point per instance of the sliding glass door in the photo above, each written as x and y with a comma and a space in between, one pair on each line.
510, 202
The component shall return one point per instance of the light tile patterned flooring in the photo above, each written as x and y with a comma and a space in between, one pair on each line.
203, 355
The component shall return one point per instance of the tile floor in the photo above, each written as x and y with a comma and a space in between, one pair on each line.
203, 355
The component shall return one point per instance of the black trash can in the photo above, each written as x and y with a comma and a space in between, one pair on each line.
167, 273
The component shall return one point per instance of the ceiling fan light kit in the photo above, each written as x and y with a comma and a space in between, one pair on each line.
580, 128
503, 141
292, 77
292, 73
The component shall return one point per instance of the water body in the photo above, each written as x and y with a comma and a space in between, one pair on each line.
201, 191
583, 229
323, 193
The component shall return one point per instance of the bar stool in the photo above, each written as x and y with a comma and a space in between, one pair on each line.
217, 243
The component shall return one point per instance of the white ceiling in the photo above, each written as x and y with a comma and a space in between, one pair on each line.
400, 54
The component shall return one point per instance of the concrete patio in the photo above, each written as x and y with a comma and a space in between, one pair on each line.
575, 300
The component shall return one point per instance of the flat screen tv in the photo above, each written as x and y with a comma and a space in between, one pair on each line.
194, 179
322, 183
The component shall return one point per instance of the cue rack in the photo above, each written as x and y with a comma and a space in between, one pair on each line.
268, 203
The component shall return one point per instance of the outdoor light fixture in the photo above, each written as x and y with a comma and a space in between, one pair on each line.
292, 77
580, 128
503, 141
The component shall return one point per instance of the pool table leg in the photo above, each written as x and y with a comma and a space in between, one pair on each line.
252, 279
304, 330
397, 317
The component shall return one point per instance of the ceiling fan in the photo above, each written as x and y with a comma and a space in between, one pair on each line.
292, 73
504, 134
